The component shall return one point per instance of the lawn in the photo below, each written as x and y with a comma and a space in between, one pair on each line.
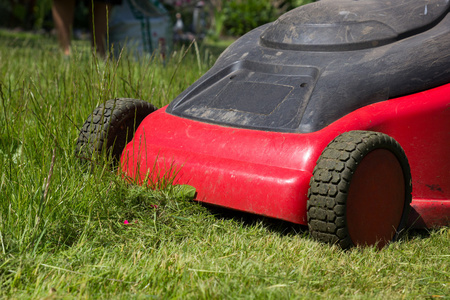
62, 223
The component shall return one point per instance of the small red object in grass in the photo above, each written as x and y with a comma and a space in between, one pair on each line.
125, 222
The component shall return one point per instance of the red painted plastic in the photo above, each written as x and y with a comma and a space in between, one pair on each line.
268, 173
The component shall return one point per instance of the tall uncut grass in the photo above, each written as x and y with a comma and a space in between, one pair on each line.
62, 231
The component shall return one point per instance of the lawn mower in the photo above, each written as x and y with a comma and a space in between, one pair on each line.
335, 116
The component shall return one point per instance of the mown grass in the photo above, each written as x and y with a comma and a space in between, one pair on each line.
61, 223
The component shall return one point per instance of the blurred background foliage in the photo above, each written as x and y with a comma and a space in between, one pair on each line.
25, 14
241, 16
223, 17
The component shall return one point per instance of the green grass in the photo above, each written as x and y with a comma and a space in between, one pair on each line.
61, 223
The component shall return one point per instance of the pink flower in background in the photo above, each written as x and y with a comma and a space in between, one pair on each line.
126, 222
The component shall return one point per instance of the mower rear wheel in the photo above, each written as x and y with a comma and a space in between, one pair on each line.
111, 126
360, 191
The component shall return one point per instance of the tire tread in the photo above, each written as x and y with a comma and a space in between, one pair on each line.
106, 124
326, 206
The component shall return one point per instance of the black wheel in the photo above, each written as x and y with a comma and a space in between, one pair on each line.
111, 126
360, 191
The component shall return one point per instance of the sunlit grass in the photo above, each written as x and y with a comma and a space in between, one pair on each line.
62, 231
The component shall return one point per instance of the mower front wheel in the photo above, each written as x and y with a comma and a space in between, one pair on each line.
360, 191
111, 126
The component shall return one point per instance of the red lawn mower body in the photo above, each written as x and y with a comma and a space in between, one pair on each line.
248, 134
268, 173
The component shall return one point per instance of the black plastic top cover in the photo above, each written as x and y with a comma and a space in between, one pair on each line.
321, 61
351, 24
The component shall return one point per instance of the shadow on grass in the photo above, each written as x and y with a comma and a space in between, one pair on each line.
288, 228
248, 219
418, 233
